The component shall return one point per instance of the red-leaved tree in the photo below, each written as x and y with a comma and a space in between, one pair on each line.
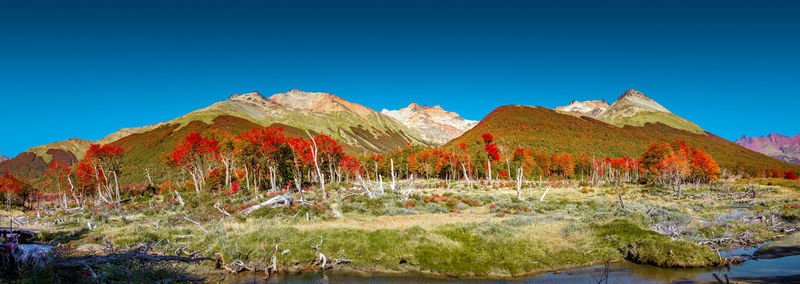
195, 155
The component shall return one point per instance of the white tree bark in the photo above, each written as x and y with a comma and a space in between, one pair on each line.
314, 152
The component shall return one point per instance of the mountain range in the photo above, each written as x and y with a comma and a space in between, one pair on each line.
785, 148
624, 128
358, 128
3, 158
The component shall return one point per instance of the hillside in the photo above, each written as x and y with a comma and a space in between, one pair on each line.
34, 162
552, 132
431, 123
785, 148
75, 146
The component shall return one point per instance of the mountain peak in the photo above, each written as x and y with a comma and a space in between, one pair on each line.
432, 123
631, 93
638, 99
414, 106
247, 96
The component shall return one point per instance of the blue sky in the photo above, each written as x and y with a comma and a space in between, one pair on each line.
86, 68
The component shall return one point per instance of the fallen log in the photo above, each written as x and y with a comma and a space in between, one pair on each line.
280, 200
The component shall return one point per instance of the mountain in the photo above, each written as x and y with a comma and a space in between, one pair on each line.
551, 131
358, 128
631, 108
593, 109
431, 123
349, 123
3, 158
785, 148
34, 162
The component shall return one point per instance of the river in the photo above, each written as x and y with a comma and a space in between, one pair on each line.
625, 272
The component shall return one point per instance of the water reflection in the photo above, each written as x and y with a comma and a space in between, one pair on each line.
625, 272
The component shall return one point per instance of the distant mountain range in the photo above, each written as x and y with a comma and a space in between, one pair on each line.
431, 123
3, 158
785, 148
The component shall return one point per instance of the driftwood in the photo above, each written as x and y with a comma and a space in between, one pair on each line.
280, 200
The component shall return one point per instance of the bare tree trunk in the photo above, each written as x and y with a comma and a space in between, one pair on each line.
72, 190
149, 179
489, 168
316, 165
380, 178
116, 185
247, 177
394, 182
519, 183
273, 178
466, 176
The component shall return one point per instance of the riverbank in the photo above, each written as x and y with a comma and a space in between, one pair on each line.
465, 231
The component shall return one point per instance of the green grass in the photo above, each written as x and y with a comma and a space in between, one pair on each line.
648, 247
669, 119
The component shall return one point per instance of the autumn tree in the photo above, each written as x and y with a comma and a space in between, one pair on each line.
492, 153
652, 157
105, 159
704, 168
263, 149
350, 166
300, 159
59, 175
330, 154
227, 151
674, 169
14, 191
195, 155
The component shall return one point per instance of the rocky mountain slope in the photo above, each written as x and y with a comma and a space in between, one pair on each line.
593, 109
431, 123
631, 108
785, 148
551, 131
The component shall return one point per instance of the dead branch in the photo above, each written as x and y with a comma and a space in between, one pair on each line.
280, 200
196, 223
216, 205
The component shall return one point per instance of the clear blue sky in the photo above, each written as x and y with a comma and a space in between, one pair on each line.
86, 68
